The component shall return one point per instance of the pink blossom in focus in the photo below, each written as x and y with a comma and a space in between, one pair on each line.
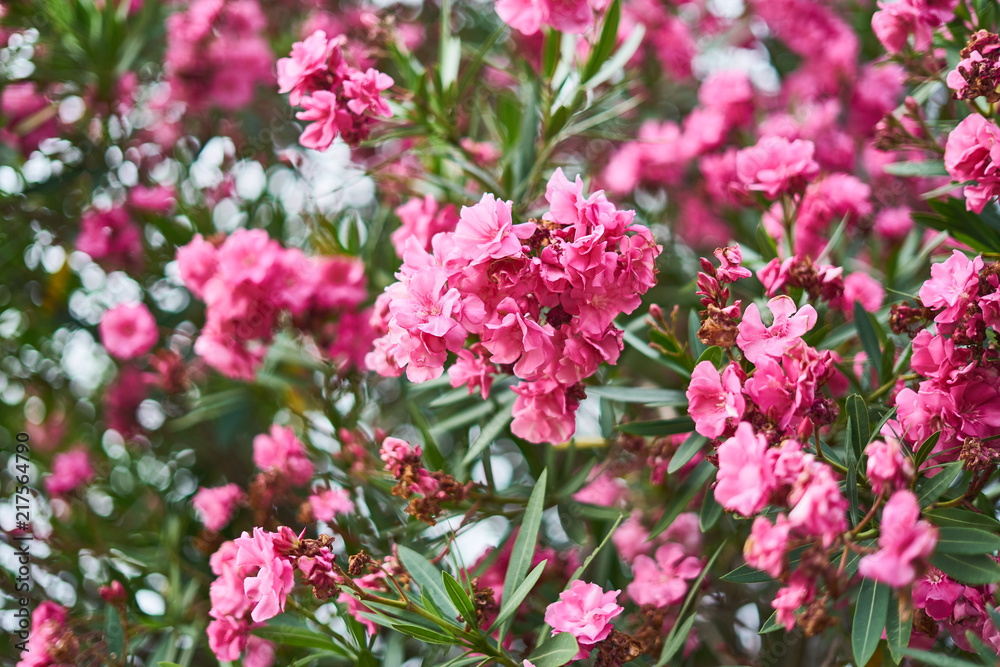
904, 541
128, 331
363, 91
971, 154
888, 466
756, 340
216, 506
745, 478
714, 399
543, 411
308, 58
952, 285
584, 611
422, 219
766, 547
321, 107
274, 576
485, 231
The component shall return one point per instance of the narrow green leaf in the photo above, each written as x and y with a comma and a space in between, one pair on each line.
869, 339
852, 493
898, 628
745, 574
687, 451
460, 598
605, 43
974, 570
766, 246
770, 625
114, 634
713, 354
527, 538
697, 480
711, 510
937, 659
165, 663
509, 607
647, 395
694, 324
932, 488
425, 635
616, 64
428, 578
292, 635
955, 516
916, 168
555, 652
659, 426
857, 413
955, 540
593, 554
869, 619
925, 448
677, 639
494, 427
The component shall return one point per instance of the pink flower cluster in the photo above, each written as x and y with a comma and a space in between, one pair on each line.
973, 154
51, 642
254, 575
958, 608
217, 54
249, 281
70, 470
335, 97
539, 297
904, 543
896, 22
584, 611
529, 16
128, 331
959, 391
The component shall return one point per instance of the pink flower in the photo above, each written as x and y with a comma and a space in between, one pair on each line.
758, 341
631, 539
971, 154
904, 540
888, 466
308, 58
776, 165
128, 331
110, 238
745, 478
528, 16
216, 506
896, 21
158, 199
328, 502
274, 576
937, 594
227, 637
893, 223
473, 370
544, 411
486, 231
70, 470
730, 264
953, 283
661, 582
584, 611
797, 593
398, 454
864, 289
819, 508
712, 400
511, 338
50, 639
197, 262
422, 219
364, 90
767, 545
320, 107
283, 452
605, 490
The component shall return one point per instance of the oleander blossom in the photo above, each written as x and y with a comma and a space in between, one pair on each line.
128, 331
584, 611
905, 542
282, 452
51, 642
776, 165
530, 16
272, 577
534, 299
336, 98
215, 506
661, 581
70, 470
972, 153
713, 399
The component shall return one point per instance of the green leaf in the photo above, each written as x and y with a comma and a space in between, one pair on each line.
527, 538
870, 614
713, 354
766, 246
916, 168
697, 480
932, 488
711, 510
852, 492
925, 448
869, 338
605, 43
165, 663
955, 516
593, 554
555, 652
694, 324
114, 634
677, 639
687, 451
770, 625
428, 578
647, 395
955, 540
898, 629
423, 634
857, 414
659, 426
293, 635
616, 64
460, 598
745, 574
937, 659
494, 427
974, 570
509, 606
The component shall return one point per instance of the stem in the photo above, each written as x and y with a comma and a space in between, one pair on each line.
868, 517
